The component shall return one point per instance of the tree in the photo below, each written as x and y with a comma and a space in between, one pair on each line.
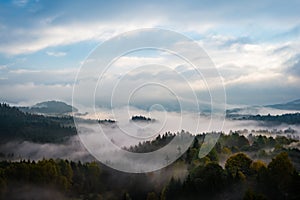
259, 170
209, 179
2, 187
282, 173
48, 171
226, 151
239, 162
257, 166
250, 195
191, 154
126, 196
152, 196
196, 143
172, 190
65, 169
213, 155
93, 178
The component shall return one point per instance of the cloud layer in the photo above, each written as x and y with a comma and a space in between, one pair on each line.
254, 45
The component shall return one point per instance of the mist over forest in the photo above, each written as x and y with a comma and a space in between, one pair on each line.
44, 158
149, 100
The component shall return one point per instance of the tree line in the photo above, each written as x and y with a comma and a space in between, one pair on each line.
232, 170
17, 125
240, 178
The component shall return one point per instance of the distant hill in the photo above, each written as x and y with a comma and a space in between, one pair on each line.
292, 118
49, 107
17, 125
277, 109
292, 105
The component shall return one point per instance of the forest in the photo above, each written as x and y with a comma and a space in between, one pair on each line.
289, 118
242, 165
232, 170
17, 125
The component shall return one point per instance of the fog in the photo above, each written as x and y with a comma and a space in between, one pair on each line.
34, 192
72, 150
108, 140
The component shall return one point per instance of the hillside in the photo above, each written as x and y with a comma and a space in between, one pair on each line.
292, 105
17, 125
50, 107
273, 109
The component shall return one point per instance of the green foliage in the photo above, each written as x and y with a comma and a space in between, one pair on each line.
213, 155
282, 173
191, 155
291, 118
281, 168
226, 151
205, 177
59, 174
152, 196
209, 179
65, 169
91, 181
239, 162
234, 141
259, 169
250, 195
16, 125
149, 146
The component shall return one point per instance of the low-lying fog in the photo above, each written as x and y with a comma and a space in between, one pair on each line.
126, 132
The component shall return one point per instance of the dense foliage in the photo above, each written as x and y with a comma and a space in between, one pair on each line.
190, 177
241, 178
16, 125
238, 167
290, 118
141, 118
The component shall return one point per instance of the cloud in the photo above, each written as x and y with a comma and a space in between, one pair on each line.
3, 67
56, 54
248, 42
256, 69
30, 93
293, 68
39, 76
269, 91
258, 56
24, 41
242, 80
20, 3
61, 24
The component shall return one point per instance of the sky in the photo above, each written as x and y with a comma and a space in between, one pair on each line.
254, 44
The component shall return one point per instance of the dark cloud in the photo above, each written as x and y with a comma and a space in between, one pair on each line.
263, 92
294, 69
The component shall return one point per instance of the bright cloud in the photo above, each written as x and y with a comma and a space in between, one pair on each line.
56, 54
254, 45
